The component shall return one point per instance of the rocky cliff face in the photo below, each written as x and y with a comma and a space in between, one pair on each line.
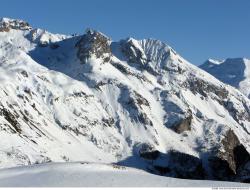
133, 102
93, 43
133, 51
229, 159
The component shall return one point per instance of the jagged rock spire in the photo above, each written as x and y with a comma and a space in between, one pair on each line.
6, 24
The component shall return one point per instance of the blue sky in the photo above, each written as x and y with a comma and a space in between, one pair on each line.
197, 29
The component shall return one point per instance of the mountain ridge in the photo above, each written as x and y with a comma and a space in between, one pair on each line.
232, 71
133, 102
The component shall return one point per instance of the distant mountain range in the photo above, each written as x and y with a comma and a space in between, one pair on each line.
233, 71
135, 103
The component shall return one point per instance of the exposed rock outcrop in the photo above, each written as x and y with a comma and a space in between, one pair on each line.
134, 103
227, 161
93, 43
133, 51
6, 24
183, 125
204, 88
12, 120
185, 166
148, 152
236, 113
174, 163
220, 95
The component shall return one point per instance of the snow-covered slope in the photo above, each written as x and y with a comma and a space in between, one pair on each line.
133, 102
233, 71
94, 175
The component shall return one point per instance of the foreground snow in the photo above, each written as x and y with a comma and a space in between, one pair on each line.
91, 174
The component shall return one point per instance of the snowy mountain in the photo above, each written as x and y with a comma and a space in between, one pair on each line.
233, 71
135, 103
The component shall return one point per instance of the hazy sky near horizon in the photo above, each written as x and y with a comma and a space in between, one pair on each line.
196, 29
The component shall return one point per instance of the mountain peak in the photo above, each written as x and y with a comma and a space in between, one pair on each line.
214, 61
93, 43
133, 51
93, 32
7, 23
